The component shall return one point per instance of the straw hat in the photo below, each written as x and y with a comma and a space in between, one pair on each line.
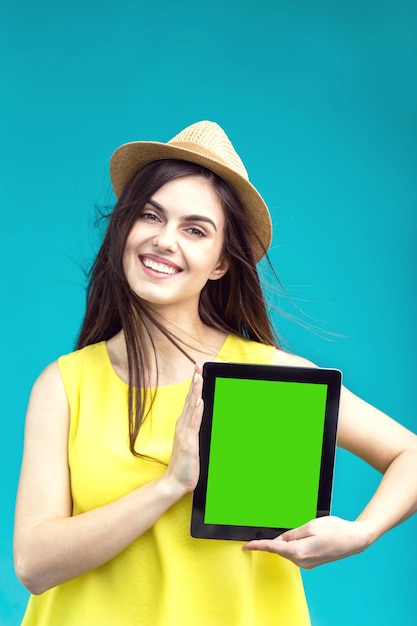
204, 143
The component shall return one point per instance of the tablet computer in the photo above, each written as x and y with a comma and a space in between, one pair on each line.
267, 449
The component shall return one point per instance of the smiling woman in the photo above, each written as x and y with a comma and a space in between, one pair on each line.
111, 452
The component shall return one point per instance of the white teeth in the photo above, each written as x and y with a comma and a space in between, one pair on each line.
159, 267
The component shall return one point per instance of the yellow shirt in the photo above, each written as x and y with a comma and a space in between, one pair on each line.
164, 578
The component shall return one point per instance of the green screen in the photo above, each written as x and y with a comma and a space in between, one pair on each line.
265, 452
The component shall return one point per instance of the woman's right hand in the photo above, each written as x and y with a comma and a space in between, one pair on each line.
184, 467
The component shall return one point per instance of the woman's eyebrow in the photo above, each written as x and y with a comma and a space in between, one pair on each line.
186, 218
199, 218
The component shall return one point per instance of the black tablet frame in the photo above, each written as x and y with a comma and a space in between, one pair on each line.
213, 369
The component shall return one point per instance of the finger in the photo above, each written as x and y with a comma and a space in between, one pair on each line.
294, 534
196, 389
277, 546
193, 403
301, 532
197, 382
301, 553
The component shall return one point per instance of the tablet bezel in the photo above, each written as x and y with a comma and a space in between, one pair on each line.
215, 369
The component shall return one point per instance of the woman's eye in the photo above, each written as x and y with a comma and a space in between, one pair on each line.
149, 217
196, 232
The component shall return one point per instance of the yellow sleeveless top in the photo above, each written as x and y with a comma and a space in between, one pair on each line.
164, 578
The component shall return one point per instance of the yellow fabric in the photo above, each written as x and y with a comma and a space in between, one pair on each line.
165, 578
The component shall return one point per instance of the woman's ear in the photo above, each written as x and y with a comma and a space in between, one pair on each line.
220, 270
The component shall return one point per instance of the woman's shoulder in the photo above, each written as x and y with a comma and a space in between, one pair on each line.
84, 360
94, 350
241, 349
55, 372
289, 359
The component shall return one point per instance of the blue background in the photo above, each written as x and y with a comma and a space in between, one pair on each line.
319, 98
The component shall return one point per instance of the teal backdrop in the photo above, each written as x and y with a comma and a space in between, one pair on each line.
320, 100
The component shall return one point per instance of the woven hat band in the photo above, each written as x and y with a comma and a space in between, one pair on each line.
215, 156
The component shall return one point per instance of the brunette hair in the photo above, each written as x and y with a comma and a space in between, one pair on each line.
233, 304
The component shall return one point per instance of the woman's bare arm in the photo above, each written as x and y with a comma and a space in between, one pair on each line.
51, 546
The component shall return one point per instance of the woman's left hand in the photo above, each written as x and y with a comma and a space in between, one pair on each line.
320, 541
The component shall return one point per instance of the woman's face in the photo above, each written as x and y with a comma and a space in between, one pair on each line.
176, 244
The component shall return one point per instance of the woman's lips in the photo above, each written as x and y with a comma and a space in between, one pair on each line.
159, 266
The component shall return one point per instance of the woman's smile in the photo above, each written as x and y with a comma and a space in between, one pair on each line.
158, 266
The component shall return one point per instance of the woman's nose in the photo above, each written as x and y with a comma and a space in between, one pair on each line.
165, 239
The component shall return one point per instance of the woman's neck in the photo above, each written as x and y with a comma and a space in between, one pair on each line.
169, 363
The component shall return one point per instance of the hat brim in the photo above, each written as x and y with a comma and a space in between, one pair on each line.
129, 158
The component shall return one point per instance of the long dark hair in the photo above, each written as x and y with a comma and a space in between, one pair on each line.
233, 304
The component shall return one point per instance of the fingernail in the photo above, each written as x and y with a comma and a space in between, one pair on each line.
198, 401
195, 379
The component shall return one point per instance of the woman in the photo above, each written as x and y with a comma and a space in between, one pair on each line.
103, 509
